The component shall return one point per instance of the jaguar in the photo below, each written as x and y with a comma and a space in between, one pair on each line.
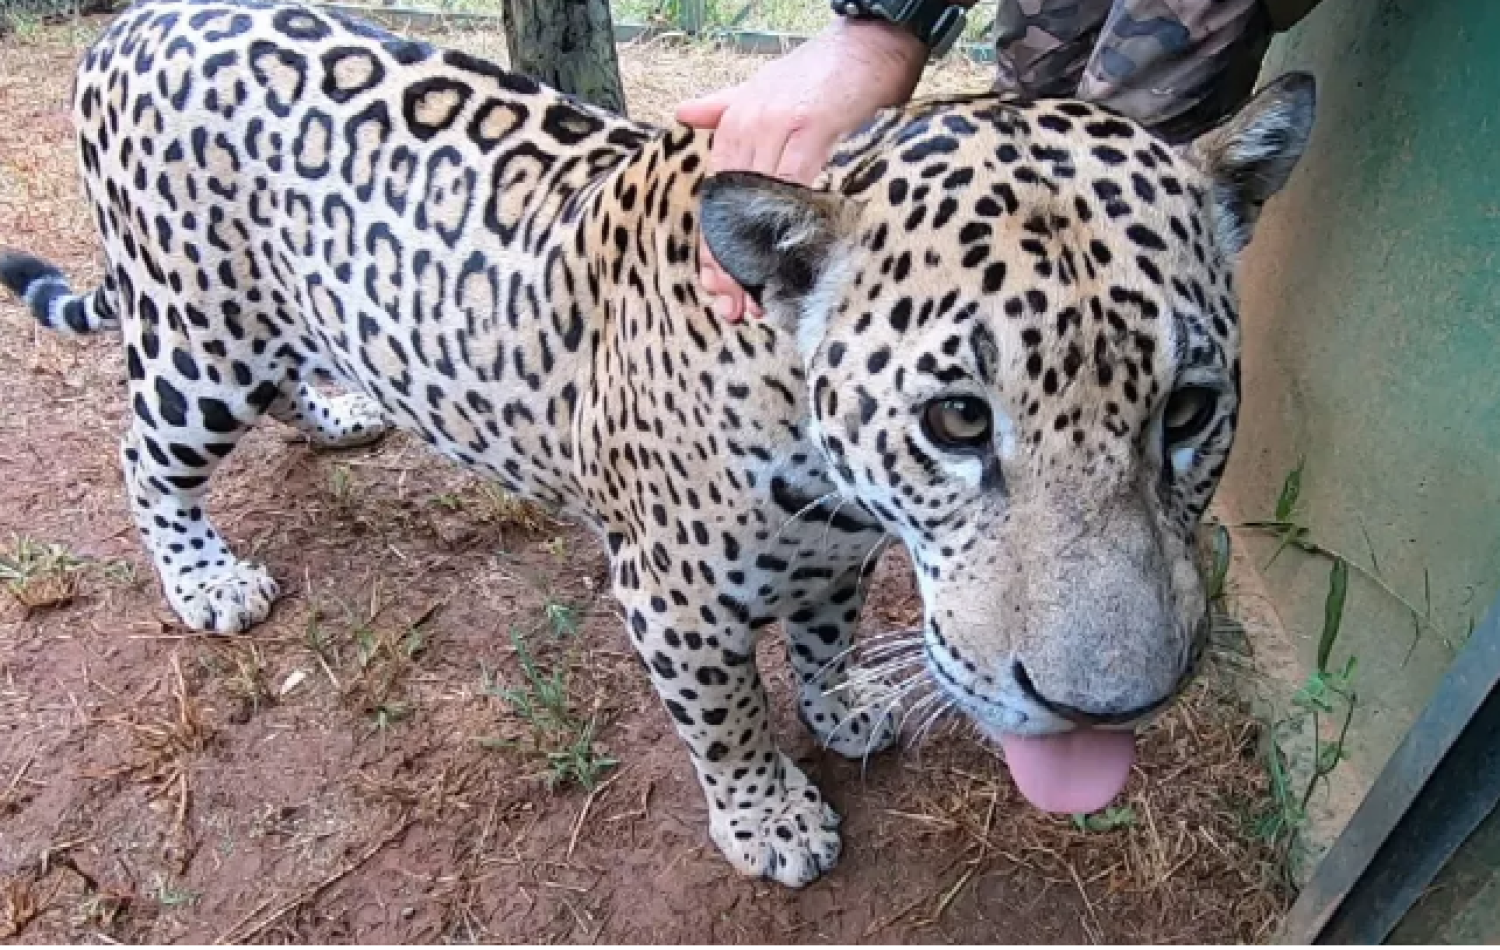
1001, 333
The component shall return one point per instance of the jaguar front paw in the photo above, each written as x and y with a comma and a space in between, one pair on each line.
790, 836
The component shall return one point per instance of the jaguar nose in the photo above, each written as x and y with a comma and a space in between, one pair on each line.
1084, 717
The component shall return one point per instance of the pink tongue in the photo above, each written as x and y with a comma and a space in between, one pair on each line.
1073, 773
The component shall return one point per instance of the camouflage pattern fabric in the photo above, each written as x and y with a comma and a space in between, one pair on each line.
1179, 66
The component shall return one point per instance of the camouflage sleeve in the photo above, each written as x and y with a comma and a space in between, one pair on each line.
1041, 46
1179, 66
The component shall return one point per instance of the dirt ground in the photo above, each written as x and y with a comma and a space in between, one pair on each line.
354, 771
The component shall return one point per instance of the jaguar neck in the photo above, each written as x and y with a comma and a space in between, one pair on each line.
743, 383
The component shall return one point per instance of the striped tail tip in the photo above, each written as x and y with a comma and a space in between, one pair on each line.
45, 291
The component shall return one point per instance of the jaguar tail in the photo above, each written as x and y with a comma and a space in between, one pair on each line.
46, 293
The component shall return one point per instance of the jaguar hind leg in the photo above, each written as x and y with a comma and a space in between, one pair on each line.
332, 422
207, 586
190, 408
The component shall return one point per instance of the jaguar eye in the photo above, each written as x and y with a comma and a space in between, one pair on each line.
960, 422
1189, 410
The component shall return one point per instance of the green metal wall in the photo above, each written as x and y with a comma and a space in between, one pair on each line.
1372, 321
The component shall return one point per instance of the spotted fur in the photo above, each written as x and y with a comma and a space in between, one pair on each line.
286, 195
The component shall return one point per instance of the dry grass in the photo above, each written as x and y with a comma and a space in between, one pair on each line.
13, 795
251, 927
164, 744
242, 669
488, 504
18, 906
367, 656
1141, 867
39, 575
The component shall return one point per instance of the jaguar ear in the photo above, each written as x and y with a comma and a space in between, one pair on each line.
1250, 157
775, 239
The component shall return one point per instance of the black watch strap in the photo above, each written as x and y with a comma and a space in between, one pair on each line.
937, 23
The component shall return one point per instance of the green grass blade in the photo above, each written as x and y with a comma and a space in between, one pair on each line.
1333, 610
1370, 547
1291, 489
1222, 555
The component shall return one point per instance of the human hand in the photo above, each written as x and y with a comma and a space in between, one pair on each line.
785, 120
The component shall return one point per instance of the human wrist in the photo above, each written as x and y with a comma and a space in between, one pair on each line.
936, 25
879, 42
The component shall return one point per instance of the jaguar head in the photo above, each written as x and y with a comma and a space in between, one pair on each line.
1020, 334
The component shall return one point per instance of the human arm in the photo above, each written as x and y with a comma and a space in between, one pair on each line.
785, 120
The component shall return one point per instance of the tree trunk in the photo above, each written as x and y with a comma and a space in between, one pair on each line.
567, 44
